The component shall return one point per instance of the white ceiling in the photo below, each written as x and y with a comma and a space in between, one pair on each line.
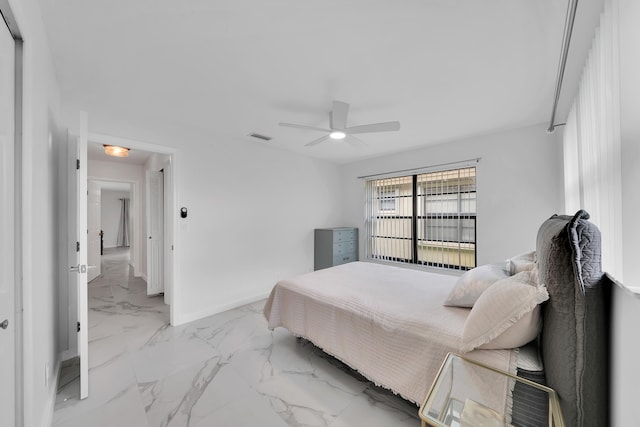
156, 70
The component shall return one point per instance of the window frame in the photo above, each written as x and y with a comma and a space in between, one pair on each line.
465, 184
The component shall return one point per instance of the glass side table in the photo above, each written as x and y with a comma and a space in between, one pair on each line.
466, 393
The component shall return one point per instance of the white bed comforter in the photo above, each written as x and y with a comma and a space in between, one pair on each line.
386, 322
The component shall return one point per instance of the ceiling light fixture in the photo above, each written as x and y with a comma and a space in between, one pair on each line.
114, 150
336, 134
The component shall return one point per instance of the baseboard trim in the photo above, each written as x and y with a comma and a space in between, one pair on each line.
180, 319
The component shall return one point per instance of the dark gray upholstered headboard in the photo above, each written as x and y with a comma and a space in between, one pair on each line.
575, 334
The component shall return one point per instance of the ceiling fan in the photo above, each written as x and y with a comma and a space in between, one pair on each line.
338, 126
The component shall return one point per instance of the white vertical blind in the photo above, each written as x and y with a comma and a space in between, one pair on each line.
426, 218
591, 142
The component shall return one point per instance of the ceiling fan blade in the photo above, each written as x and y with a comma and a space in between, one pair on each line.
374, 127
339, 114
291, 125
356, 142
317, 141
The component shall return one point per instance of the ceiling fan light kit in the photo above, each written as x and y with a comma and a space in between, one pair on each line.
338, 126
336, 134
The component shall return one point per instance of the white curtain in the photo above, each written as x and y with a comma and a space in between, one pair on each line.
591, 142
123, 227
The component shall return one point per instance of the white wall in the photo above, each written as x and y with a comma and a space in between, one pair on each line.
110, 210
133, 174
252, 212
630, 136
156, 162
519, 184
41, 141
626, 308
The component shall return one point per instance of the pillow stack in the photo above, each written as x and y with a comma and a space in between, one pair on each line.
523, 262
473, 283
504, 301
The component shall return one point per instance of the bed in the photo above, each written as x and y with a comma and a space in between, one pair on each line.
395, 325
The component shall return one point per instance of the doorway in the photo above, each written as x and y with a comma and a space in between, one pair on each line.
111, 222
143, 159
105, 171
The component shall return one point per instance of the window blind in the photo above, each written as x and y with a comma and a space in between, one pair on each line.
426, 218
591, 142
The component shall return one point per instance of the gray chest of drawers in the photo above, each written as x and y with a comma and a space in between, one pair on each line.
335, 246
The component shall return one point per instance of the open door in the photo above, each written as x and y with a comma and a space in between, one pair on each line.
7, 229
77, 167
155, 232
93, 229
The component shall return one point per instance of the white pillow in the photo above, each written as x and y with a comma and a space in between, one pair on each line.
473, 283
523, 262
507, 315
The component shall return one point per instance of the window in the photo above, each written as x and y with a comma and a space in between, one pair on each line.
389, 199
427, 219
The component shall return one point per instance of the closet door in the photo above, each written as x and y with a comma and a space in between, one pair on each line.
7, 229
155, 232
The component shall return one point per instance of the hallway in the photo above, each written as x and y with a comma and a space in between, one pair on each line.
224, 370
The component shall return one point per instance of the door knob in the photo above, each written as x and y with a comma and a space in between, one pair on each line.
4, 324
81, 268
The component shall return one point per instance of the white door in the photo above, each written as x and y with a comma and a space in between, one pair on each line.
155, 233
93, 226
7, 248
167, 173
78, 246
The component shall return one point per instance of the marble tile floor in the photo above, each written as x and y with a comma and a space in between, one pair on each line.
224, 370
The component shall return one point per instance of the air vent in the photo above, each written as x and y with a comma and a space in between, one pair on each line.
262, 137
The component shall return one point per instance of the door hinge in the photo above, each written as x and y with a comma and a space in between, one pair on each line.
77, 246
78, 164
78, 326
